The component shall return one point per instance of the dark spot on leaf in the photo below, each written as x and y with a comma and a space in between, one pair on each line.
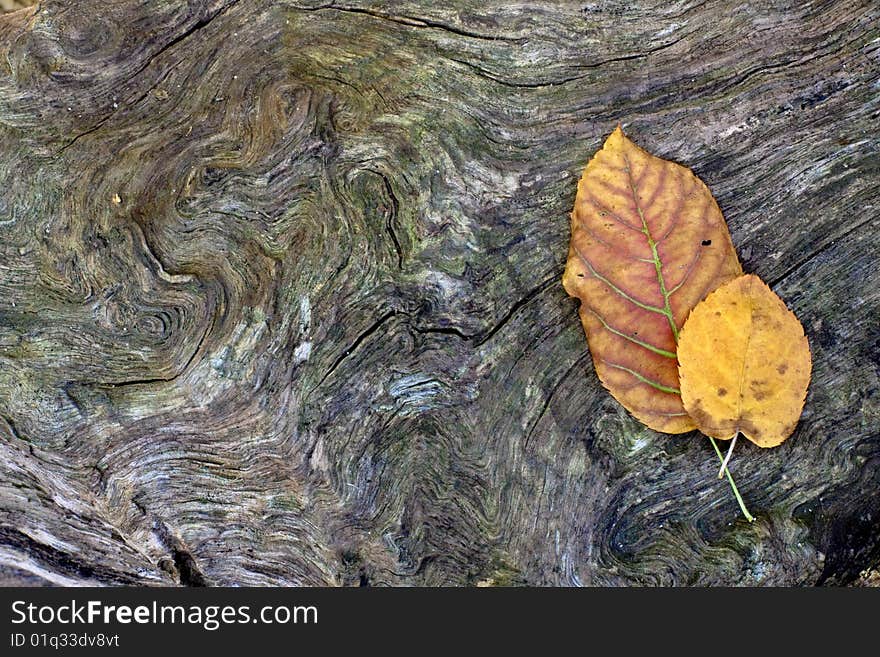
782, 368
760, 396
706, 242
580, 275
705, 420
722, 392
749, 429
717, 313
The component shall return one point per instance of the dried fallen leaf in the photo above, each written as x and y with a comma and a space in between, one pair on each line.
744, 364
648, 242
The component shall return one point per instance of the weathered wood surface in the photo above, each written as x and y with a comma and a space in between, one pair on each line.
280, 294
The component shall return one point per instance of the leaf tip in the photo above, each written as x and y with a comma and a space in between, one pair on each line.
617, 133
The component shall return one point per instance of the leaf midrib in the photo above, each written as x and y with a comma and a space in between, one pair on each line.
742, 375
658, 263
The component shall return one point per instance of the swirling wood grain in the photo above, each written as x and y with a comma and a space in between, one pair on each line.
279, 297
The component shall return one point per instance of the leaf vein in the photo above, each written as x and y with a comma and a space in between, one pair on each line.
687, 273
604, 208
617, 290
642, 378
626, 336
616, 249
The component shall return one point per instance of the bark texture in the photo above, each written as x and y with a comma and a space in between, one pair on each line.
280, 297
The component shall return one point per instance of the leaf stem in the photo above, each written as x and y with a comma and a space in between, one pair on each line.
742, 505
727, 458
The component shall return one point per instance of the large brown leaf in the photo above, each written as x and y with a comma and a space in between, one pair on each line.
648, 242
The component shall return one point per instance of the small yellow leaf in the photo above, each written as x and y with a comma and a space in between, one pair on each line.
744, 364
648, 242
